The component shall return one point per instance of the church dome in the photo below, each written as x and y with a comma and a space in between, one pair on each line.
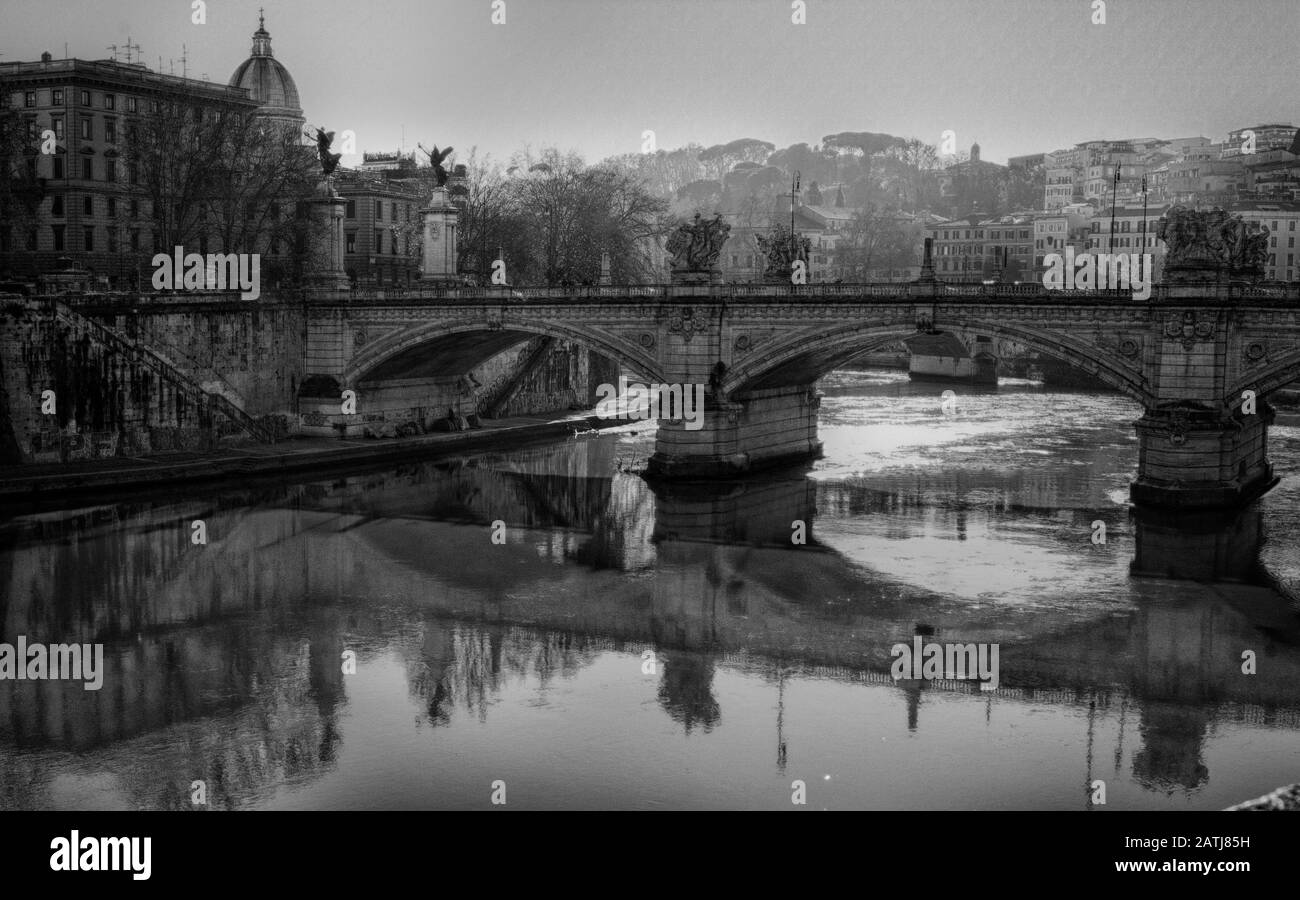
268, 81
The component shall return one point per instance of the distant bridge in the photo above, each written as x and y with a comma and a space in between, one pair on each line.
1189, 354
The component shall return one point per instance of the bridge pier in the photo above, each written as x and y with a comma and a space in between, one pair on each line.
1197, 458
747, 433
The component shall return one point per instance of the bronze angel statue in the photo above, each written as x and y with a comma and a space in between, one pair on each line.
328, 161
436, 158
696, 246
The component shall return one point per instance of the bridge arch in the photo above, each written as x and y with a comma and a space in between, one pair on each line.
453, 347
1277, 375
806, 356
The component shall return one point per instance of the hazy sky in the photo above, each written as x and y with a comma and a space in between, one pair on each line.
1019, 76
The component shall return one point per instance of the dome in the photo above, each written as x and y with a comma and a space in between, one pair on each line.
268, 81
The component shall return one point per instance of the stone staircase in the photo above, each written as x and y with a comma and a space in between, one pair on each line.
161, 367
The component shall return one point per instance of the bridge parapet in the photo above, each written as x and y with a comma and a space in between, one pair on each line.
898, 292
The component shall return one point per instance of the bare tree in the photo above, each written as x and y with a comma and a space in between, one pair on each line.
555, 215
219, 177
21, 190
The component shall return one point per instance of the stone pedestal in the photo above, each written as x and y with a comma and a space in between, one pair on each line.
1202, 459
440, 217
759, 430
325, 270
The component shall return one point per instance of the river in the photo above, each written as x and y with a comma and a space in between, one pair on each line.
541, 626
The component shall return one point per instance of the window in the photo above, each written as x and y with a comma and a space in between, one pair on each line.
85, 98
87, 206
135, 209
58, 97
57, 121
112, 207
130, 104
31, 239
110, 101
110, 170
56, 206
1290, 226
392, 217
135, 238
88, 168
1290, 242
379, 241
58, 236
112, 240
33, 130
110, 130
29, 99
58, 167
352, 242
393, 243
88, 235
379, 210
87, 128
352, 209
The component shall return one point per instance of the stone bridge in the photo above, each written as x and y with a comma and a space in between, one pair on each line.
1190, 354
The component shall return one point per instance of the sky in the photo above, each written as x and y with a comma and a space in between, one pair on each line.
1018, 76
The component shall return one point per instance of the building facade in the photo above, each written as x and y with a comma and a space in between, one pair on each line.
81, 117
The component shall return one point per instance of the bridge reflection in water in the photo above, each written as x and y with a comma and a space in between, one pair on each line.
223, 660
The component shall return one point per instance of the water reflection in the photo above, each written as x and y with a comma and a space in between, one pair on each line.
224, 659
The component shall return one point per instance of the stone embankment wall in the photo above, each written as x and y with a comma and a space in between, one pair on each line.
133, 375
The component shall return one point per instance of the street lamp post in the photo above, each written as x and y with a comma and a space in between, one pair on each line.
1114, 190
1144, 221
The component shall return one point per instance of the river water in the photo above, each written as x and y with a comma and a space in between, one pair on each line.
541, 625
